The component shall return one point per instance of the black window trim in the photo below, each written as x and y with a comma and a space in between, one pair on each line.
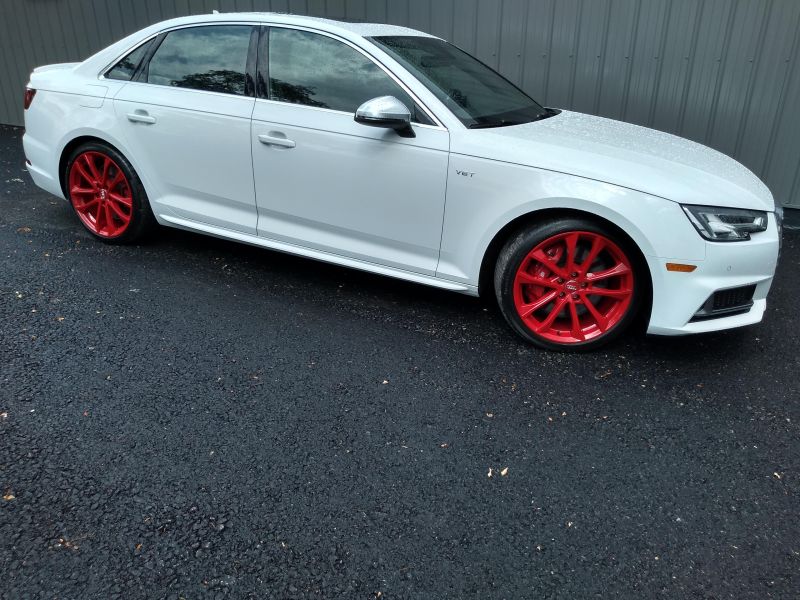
263, 71
112, 66
262, 64
143, 69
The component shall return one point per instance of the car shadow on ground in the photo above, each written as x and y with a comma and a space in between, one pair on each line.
471, 311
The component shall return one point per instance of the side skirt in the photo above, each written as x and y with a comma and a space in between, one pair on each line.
328, 257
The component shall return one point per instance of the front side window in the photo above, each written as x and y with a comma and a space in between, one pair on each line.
477, 95
126, 67
315, 70
210, 58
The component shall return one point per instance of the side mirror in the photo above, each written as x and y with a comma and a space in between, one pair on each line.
387, 112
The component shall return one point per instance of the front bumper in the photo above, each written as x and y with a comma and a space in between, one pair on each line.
677, 297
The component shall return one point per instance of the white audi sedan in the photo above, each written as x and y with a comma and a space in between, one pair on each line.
386, 149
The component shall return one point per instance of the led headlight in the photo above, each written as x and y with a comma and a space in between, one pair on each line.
726, 224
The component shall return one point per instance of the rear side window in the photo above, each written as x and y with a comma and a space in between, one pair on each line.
315, 70
125, 68
210, 58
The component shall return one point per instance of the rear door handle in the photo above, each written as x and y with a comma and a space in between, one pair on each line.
141, 117
272, 140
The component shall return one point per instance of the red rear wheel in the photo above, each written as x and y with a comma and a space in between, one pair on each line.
100, 194
107, 194
568, 284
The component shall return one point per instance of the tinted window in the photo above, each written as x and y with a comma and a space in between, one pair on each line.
125, 68
315, 70
212, 58
477, 95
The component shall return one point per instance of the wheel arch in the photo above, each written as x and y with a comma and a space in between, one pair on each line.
486, 273
69, 147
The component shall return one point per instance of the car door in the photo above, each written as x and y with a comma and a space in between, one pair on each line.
324, 181
186, 119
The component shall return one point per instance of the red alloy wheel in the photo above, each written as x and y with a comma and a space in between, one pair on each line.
100, 194
573, 287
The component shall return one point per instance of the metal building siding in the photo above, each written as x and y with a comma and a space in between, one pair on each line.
721, 72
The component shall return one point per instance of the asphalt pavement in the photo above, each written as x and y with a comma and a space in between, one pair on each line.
193, 418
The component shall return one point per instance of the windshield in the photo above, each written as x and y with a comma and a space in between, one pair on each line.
477, 95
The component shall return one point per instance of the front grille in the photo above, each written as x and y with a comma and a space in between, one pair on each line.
725, 303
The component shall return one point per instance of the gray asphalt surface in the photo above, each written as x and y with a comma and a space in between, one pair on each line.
194, 418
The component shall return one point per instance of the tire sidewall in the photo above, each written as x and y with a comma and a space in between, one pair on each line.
517, 249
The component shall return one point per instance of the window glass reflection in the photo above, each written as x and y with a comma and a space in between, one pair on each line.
315, 70
211, 58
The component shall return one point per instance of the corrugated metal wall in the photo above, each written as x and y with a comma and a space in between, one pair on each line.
721, 72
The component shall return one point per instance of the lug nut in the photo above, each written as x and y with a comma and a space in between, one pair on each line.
574, 296
574, 274
561, 295
560, 280
584, 284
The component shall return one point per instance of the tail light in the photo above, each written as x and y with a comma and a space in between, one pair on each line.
29, 94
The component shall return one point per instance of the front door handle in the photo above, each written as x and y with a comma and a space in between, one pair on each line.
141, 117
273, 140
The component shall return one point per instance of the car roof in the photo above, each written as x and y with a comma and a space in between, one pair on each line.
343, 28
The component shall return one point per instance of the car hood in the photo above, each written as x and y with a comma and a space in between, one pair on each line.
623, 154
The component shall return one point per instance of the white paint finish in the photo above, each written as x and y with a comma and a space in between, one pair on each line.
196, 153
479, 207
627, 155
678, 296
53, 120
328, 257
345, 187
422, 209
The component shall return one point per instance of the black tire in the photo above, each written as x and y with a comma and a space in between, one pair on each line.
142, 221
525, 241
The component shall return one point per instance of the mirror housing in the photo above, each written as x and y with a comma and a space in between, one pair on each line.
387, 112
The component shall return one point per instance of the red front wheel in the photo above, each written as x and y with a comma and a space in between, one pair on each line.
569, 284
106, 194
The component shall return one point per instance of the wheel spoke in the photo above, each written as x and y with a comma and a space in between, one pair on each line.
83, 172
109, 217
600, 320
528, 309
619, 269
527, 278
608, 293
576, 330
571, 242
81, 191
85, 206
554, 312
97, 216
116, 210
597, 245
549, 262
92, 168
118, 178
107, 164
120, 199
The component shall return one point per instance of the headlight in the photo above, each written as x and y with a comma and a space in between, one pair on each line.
726, 224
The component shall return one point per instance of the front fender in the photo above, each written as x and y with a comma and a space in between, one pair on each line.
479, 207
